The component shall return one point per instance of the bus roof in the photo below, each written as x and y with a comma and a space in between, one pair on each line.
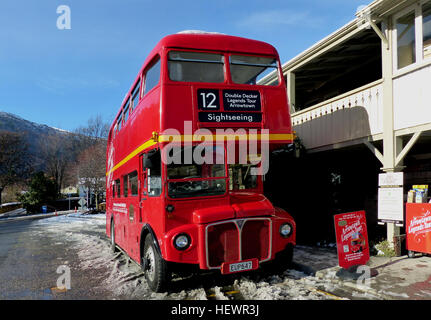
205, 41
216, 42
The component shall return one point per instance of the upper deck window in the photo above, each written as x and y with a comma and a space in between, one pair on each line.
251, 69
136, 95
196, 67
152, 77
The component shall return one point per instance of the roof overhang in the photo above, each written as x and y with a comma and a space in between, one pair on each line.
376, 11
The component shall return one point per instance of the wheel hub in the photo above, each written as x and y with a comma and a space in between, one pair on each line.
150, 263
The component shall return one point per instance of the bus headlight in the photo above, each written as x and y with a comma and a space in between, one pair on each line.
285, 230
182, 241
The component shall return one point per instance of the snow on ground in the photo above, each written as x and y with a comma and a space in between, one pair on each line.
86, 235
291, 285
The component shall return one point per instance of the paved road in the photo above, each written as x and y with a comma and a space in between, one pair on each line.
31, 251
29, 258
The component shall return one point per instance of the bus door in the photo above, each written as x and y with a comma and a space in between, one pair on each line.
134, 214
143, 189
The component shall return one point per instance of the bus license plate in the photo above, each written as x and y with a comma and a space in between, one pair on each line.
241, 266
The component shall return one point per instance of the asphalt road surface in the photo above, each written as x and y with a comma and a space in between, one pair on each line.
30, 256
39, 257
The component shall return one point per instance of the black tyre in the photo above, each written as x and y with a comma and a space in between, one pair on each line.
283, 261
113, 245
155, 268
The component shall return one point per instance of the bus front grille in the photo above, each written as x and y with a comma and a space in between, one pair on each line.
223, 244
255, 240
238, 240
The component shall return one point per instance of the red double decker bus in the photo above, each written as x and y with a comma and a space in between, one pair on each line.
181, 191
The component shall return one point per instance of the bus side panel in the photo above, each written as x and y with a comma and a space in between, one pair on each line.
277, 117
145, 119
177, 107
154, 214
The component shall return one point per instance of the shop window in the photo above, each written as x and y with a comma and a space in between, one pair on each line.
406, 42
426, 27
412, 35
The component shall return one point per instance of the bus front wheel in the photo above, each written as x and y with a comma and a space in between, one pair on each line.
155, 268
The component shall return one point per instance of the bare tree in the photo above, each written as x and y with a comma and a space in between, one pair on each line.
96, 130
14, 159
58, 153
91, 169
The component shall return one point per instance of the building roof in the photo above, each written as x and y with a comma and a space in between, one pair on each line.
376, 9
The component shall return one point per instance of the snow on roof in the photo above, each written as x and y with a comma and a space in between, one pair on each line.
197, 32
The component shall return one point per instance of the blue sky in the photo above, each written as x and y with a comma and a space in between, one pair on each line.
63, 77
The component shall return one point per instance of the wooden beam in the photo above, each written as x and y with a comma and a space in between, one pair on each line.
375, 151
379, 33
407, 148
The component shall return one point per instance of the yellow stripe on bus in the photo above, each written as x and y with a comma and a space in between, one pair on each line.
142, 147
229, 137
198, 138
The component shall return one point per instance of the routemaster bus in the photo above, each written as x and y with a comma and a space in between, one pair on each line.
178, 195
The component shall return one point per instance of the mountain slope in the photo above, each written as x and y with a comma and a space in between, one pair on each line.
35, 134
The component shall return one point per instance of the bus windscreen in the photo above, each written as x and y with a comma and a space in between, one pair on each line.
198, 178
196, 67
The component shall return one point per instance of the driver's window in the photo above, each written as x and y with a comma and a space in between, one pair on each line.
240, 177
154, 176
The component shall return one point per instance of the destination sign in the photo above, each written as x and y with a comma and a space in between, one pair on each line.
208, 99
229, 117
241, 100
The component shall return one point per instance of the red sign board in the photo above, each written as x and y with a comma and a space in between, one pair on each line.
352, 239
418, 227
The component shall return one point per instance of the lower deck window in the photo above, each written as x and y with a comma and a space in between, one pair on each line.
117, 188
133, 180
